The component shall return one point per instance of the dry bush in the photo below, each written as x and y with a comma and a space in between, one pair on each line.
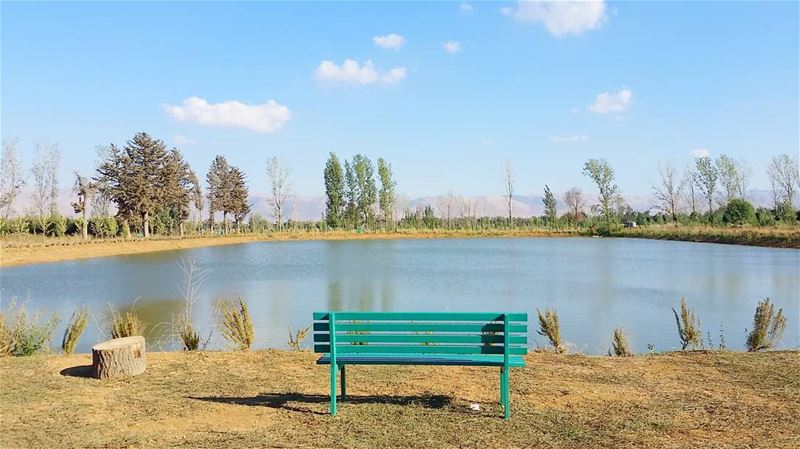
75, 327
297, 339
550, 328
688, 327
187, 334
182, 325
620, 345
767, 327
125, 324
22, 334
236, 325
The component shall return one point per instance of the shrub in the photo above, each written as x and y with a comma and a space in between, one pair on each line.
236, 325
550, 328
767, 327
75, 327
126, 324
297, 339
688, 327
23, 335
739, 212
56, 225
188, 335
620, 344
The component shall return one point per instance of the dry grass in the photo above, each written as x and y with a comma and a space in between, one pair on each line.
279, 399
768, 327
75, 327
23, 252
296, 339
125, 324
778, 236
620, 345
236, 325
688, 326
550, 328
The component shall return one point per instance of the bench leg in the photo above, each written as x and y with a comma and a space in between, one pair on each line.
333, 389
502, 388
506, 394
344, 382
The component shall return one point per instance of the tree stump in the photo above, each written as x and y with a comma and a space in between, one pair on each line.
120, 357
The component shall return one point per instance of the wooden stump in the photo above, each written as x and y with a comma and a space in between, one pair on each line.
120, 357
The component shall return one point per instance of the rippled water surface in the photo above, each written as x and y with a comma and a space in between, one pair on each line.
596, 284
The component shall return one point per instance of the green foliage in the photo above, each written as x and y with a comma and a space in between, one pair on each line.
706, 179
550, 206
236, 325
620, 345
739, 212
188, 335
386, 194
768, 327
599, 171
296, 339
22, 334
550, 328
56, 225
334, 192
688, 327
75, 327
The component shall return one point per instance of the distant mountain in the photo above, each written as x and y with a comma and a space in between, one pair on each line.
313, 207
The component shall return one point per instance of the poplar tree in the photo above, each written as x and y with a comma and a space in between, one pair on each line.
334, 192
603, 175
351, 195
238, 194
386, 195
550, 205
217, 190
705, 179
366, 191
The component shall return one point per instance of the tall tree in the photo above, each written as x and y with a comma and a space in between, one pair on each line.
45, 182
218, 190
550, 205
689, 181
743, 172
509, 184
334, 192
705, 179
367, 192
134, 178
668, 193
575, 203
602, 174
238, 196
11, 176
278, 174
180, 187
785, 179
386, 196
351, 195
728, 173
85, 189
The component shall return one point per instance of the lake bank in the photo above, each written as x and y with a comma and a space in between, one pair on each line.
279, 399
43, 250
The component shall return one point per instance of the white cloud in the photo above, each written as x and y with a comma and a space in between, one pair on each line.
608, 102
352, 72
567, 139
179, 139
452, 46
465, 7
560, 17
263, 118
697, 153
390, 41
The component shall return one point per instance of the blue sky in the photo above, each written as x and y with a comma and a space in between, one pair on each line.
525, 85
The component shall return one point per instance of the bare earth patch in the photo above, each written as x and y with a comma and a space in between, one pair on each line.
279, 399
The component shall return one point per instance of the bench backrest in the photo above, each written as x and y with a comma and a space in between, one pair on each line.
351, 333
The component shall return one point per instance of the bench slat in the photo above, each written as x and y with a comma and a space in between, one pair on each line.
421, 316
440, 359
420, 327
420, 338
420, 349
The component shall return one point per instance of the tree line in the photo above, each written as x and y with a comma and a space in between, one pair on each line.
147, 188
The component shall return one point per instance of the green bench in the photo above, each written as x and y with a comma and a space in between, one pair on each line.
398, 338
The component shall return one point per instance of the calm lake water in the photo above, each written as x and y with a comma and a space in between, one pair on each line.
596, 284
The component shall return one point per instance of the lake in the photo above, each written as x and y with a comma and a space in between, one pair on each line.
595, 283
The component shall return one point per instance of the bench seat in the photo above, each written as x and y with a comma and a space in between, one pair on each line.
424, 359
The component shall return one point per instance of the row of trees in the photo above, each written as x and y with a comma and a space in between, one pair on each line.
153, 189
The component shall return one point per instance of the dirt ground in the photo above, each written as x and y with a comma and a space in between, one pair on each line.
280, 399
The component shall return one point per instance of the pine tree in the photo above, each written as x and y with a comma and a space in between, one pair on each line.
334, 191
238, 196
217, 190
179, 187
550, 206
386, 194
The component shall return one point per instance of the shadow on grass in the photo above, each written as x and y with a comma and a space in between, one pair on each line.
77, 371
283, 400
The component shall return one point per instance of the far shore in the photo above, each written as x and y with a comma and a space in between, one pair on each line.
45, 250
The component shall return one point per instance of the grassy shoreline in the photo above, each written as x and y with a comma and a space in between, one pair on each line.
43, 250
275, 398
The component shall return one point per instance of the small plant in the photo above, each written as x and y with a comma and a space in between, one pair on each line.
236, 325
193, 276
75, 327
125, 324
688, 327
620, 344
651, 348
549, 327
297, 339
24, 334
722, 345
187, 334
767, 327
